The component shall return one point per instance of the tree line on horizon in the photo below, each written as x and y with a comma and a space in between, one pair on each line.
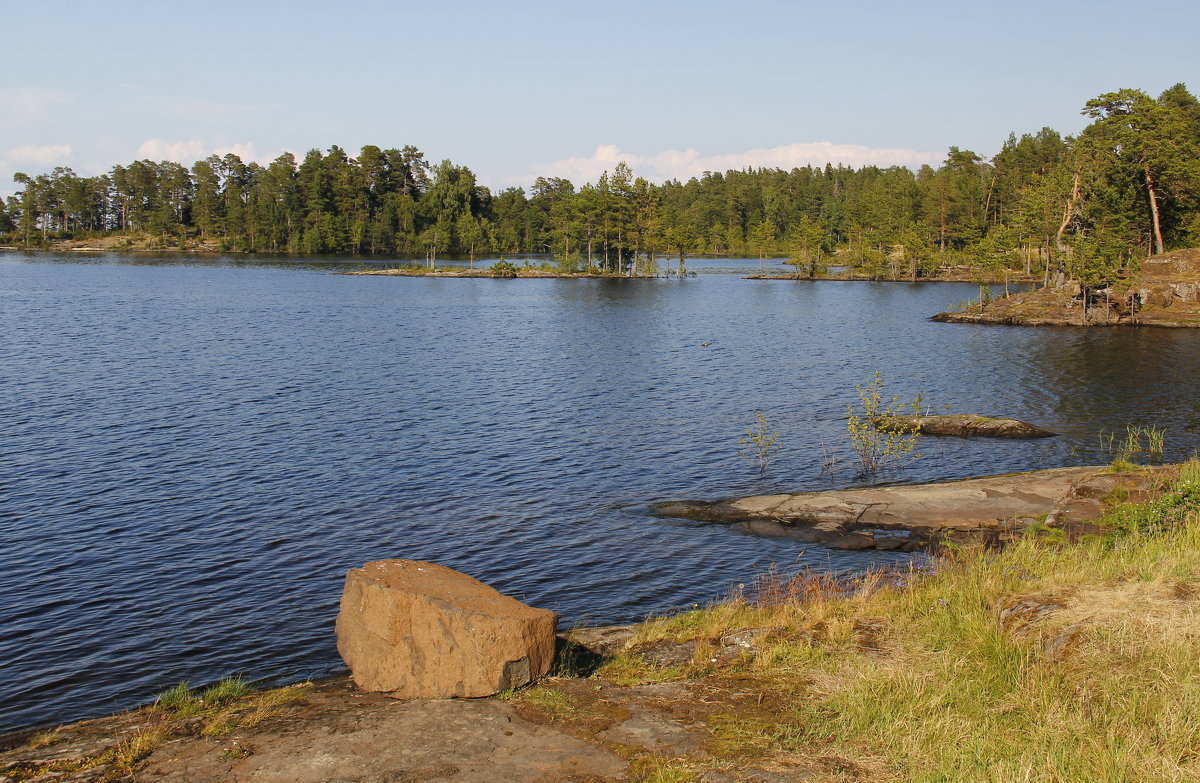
1127, 186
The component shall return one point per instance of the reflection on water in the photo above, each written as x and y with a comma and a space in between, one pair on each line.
195, 450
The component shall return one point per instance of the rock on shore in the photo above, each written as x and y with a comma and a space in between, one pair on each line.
414, 629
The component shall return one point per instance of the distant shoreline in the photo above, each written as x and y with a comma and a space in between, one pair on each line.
522, 272
487, 273
951, 278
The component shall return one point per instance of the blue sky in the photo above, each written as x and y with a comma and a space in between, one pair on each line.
518, 89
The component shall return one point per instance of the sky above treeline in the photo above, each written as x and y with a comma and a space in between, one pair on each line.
516, 90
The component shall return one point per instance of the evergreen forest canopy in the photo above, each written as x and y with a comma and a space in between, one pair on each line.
1126, 187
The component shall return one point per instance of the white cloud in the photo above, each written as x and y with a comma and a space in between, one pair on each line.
32, 159
682, 165
51, 154
27, 105
179, 151
223, 113
246, 152
194, 149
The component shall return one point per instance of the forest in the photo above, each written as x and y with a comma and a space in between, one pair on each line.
1126, 187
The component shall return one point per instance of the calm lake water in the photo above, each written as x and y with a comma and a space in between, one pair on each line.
193, 452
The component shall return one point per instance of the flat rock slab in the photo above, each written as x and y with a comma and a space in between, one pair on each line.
348, 738
908, 517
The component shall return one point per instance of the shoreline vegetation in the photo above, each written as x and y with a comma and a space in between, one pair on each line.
1014, 277
1045, 206
547, 268
507, 270
1068, 653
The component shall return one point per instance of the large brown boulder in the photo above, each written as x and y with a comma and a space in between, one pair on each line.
417, 630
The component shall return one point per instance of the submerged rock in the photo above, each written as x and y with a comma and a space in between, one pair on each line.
966, 425
413, 629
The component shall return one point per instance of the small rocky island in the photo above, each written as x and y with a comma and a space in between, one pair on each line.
1164, 291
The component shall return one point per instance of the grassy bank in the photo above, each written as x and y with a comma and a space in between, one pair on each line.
1049, 660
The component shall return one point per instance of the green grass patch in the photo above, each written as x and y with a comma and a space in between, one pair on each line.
552, 703
227, 690
180, 700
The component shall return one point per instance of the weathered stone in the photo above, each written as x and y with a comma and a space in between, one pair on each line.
745, 638
1156, 296
605, 641
858, 539
666, 652
1098, 486
891, 539
1058, 646
1024, 611
1187, 292
737, 508
413, 629
689, 509
655, 733
776, 529
1079, 510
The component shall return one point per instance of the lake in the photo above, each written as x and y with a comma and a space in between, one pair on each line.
194, 451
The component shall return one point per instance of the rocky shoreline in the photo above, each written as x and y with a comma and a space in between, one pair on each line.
1164, 291
955, 277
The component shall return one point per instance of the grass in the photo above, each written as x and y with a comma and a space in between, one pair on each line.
918, 673
1138, 440
648, 768
44, 739
179, 700
183, 701
227, 690
552, 703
